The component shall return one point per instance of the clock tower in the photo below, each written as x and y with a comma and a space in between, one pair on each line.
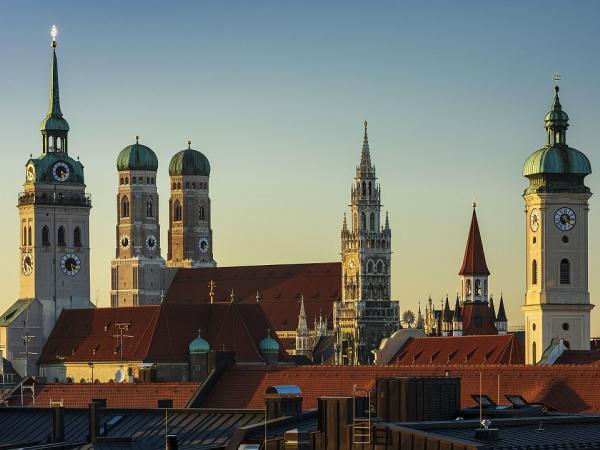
557, 300
137, 271
366, 313
190, 233
54, 212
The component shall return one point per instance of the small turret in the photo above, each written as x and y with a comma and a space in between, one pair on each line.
457, 320
447, 317
198, 349
269, 348
501, 320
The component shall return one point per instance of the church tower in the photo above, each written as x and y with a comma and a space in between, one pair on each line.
190, 234
54, 214
366, 313
557, 301
474, 272
137, 272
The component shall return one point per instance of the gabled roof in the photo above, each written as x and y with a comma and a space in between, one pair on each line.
563, 388
474, 259
473, 350
478, 319
15, 310
279, 288
160, 333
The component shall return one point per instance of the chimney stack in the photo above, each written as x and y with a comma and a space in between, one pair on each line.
58, 425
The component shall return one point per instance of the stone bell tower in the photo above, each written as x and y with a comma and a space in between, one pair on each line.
557, 300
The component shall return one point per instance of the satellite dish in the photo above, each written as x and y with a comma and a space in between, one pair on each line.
119, 376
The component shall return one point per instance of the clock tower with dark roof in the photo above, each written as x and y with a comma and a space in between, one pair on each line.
366, 314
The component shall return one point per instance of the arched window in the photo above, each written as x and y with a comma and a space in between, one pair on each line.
29, 237
125, 207
363, 218
370, 188
565, 271
468, 288
177, 211
533, 352
478, 287
201, 213
364, 188
485, 287
121, 180
61, 237
77, 237
45, 237
24, 237
372, 220
149, 208
534, 272
380, 267
370, 266
126, 180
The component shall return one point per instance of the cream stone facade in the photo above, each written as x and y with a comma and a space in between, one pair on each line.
557, 300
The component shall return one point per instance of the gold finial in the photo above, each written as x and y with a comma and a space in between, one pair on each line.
232, 296
556, 78
474, 204
53, 33
212, 286
137, 139
189, 144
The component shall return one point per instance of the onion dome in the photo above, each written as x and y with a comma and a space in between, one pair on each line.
199, 345
189, 162
137, 157
556, 166
268, 344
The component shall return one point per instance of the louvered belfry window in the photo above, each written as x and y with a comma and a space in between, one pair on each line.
565, 272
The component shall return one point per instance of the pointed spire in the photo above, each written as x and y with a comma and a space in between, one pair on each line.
457, 311
501, 313
344, 224
365, 157
54, 106
492, 308
474, 259
302, 325
447, 315
387, 221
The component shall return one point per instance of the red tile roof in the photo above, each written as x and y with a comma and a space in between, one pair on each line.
582, 357
157, 333
474, 259
278, 286
478, 319
474, 350
143, 395
564, 388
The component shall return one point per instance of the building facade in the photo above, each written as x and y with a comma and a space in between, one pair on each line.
557, 300
366, 314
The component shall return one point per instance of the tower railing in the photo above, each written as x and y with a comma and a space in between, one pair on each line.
50, 198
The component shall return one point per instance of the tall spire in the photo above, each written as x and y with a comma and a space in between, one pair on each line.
365, 157
474, 259
54, 105
344, 223
302, 325
387, 221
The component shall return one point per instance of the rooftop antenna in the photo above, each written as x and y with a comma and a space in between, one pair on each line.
121, 329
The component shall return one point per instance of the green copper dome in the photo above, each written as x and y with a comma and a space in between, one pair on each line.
45, 168
268, 344
199, 345
189, 162
556, 166
137, 157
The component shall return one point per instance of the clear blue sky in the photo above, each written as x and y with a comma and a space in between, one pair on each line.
274, 93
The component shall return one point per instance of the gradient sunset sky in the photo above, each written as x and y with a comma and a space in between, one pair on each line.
274, 93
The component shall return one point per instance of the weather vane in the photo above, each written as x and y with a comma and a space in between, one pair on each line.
53, 33
556, 78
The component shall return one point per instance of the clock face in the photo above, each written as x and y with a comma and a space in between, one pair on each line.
564, 218
534, 219
30, 172
203, 244
151, 242
70, 264
27, 264
124, 241
60, 171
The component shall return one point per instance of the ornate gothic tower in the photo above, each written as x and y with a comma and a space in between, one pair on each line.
557, 301
137, 272
190, 234
54, 219
366, 313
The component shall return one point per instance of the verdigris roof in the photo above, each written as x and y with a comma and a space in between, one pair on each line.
557, 159
44, 165
137, 157
199, 345
268, 345
189, 162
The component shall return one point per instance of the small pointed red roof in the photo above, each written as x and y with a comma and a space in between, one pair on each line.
474, 260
